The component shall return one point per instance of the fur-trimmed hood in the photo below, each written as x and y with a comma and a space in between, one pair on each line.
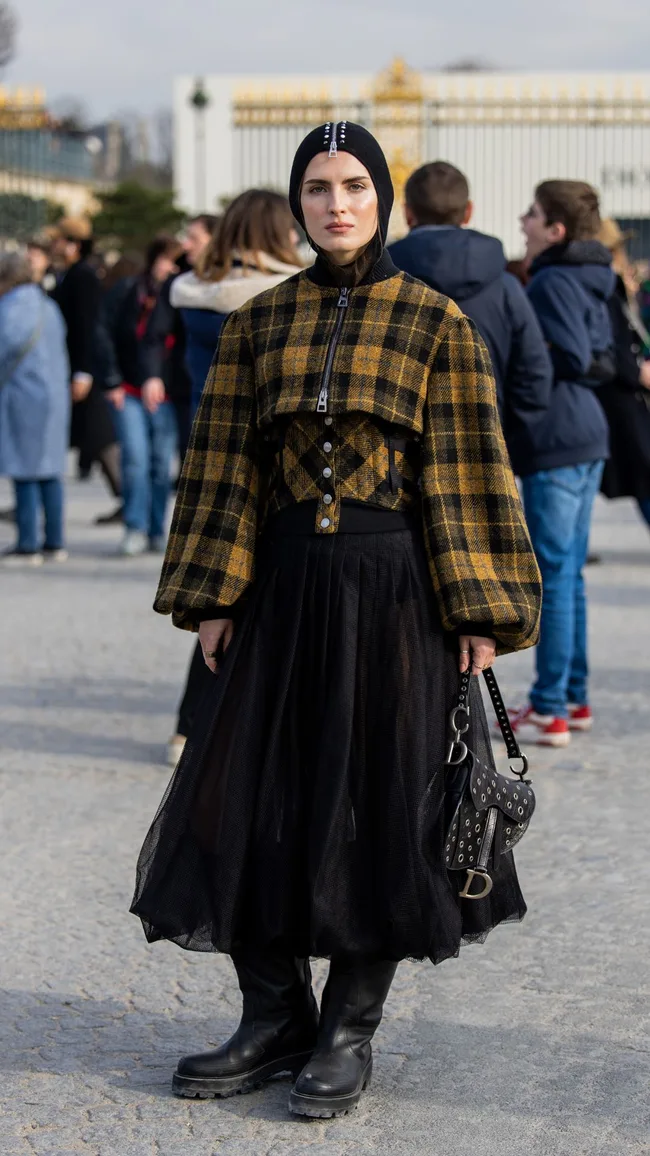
238, 286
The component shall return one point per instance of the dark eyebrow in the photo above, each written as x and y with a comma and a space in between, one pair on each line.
347, 181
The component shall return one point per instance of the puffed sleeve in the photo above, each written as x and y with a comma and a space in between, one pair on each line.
210, 558
482, 562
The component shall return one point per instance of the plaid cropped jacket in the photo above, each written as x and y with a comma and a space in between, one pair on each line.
384, 394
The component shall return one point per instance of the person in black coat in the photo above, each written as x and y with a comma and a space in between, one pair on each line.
470, 267
162, 353
78, 295
144, 417
626, 400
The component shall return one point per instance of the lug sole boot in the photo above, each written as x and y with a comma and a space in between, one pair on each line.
340, 1069
277, 1033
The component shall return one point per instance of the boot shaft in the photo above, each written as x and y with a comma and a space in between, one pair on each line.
353, 1000
274, 986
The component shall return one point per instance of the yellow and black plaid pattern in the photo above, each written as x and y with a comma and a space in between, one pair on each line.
408, 360
353, 459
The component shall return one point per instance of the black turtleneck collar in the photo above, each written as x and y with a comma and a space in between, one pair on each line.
322, 273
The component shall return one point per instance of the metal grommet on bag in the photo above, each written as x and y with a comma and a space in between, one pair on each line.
491, 812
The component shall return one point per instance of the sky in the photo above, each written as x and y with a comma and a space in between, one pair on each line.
123, 54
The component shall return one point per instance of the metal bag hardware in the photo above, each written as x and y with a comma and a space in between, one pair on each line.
490, 812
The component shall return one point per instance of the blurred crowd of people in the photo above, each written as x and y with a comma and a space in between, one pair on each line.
112, 361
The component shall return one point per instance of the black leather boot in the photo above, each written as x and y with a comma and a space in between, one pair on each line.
341, 1066
277, 1033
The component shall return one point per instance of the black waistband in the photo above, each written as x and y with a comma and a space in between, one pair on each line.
355, 518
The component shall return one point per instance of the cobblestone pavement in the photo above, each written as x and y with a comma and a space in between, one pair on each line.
534, 1044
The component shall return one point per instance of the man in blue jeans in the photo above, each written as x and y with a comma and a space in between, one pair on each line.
560, 459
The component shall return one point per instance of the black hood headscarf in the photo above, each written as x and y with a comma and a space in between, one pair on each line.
344, 136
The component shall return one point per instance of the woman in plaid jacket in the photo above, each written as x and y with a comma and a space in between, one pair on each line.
347, 535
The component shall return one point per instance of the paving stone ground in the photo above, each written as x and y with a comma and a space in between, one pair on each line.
535, 1044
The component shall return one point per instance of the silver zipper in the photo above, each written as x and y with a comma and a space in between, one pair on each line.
323, 396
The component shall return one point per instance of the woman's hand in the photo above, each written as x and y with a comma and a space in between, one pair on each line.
116, 397
81, 386
480, 652
212, 634
644, 374
153, 393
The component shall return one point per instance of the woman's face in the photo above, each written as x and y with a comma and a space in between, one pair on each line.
339, 204
162, 268
39, 262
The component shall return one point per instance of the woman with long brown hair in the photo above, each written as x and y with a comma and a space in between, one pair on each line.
347, 540
253, 248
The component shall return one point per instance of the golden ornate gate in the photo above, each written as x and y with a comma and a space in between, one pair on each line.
506, 133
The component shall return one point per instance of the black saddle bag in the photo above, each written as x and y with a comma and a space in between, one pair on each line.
487, 813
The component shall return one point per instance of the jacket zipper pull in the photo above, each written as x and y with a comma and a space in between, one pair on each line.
323, 396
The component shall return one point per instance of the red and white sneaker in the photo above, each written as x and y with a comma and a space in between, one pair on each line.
544, 730
580, 718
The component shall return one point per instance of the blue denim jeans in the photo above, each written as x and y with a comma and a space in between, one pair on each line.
558, 506
31, 497
147, 441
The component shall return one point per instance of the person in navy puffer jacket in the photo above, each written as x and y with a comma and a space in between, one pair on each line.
561, 458
470, 267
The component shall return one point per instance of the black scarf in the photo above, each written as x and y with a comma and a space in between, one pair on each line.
374, 264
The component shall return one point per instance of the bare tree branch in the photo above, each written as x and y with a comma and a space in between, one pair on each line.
70, 113
469, 64
163, 123
8, 32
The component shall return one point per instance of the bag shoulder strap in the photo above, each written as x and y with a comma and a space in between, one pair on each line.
512, 746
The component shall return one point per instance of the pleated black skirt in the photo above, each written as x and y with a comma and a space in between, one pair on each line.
308, 806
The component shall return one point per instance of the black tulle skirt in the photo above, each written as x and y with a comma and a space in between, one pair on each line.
308, 806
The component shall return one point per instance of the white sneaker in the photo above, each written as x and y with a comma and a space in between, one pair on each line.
134, 543
175, 748
59, 555
18, 559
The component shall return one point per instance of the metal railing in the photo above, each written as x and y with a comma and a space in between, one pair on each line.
505, 137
